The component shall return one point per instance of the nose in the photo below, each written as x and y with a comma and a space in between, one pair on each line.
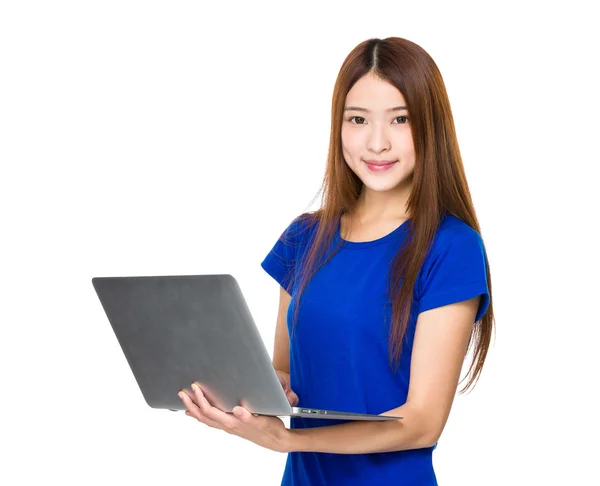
378, 139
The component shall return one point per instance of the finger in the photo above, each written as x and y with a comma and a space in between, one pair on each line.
228, 421
194, 411
192, 408
205, 421
190, 394
242, 414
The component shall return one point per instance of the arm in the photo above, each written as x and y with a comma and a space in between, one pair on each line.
281, 352
440, 345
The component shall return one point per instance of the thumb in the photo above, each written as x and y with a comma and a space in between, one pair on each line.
292, 398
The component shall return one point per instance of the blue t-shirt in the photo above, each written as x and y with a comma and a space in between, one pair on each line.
339, 348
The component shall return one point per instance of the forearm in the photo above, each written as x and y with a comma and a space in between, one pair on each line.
358, 437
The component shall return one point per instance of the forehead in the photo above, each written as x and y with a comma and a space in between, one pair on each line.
374, 93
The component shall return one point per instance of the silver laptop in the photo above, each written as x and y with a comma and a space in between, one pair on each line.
175, 330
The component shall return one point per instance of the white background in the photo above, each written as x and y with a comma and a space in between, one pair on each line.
141, 138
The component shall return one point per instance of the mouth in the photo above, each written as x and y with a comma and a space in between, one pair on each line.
379, 165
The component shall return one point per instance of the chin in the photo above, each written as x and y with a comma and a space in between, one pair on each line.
384, 185
381, 187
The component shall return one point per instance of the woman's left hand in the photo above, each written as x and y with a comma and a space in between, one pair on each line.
266, 431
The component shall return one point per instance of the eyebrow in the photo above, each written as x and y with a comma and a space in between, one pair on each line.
356, 108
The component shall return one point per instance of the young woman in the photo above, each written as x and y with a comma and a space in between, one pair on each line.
384, 289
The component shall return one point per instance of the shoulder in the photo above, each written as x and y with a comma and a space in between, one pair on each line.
300, 229
455, 233
451, 228
454, 241
303, 222
455, 268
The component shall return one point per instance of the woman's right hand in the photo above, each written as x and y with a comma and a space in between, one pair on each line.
284, 379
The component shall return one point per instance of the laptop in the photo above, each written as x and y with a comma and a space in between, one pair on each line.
176, 330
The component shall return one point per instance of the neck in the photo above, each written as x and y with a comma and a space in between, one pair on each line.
382, 205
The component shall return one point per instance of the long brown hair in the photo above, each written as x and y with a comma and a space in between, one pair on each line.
439, 183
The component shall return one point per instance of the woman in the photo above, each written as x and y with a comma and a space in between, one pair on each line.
383, 289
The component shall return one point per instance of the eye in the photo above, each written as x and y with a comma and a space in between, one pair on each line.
361, 121
358, 118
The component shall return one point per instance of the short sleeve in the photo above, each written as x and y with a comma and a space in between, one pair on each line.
280, 262
455, 270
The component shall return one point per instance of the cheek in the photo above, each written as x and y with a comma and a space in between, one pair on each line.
407, 147
350, 145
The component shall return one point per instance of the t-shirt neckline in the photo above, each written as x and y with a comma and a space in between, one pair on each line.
357, 245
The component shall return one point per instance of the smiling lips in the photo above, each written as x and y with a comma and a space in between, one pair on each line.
380, 162
379, 165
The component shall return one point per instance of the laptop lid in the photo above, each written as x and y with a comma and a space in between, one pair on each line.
175, 330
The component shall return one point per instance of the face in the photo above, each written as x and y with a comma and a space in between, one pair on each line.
373, 131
